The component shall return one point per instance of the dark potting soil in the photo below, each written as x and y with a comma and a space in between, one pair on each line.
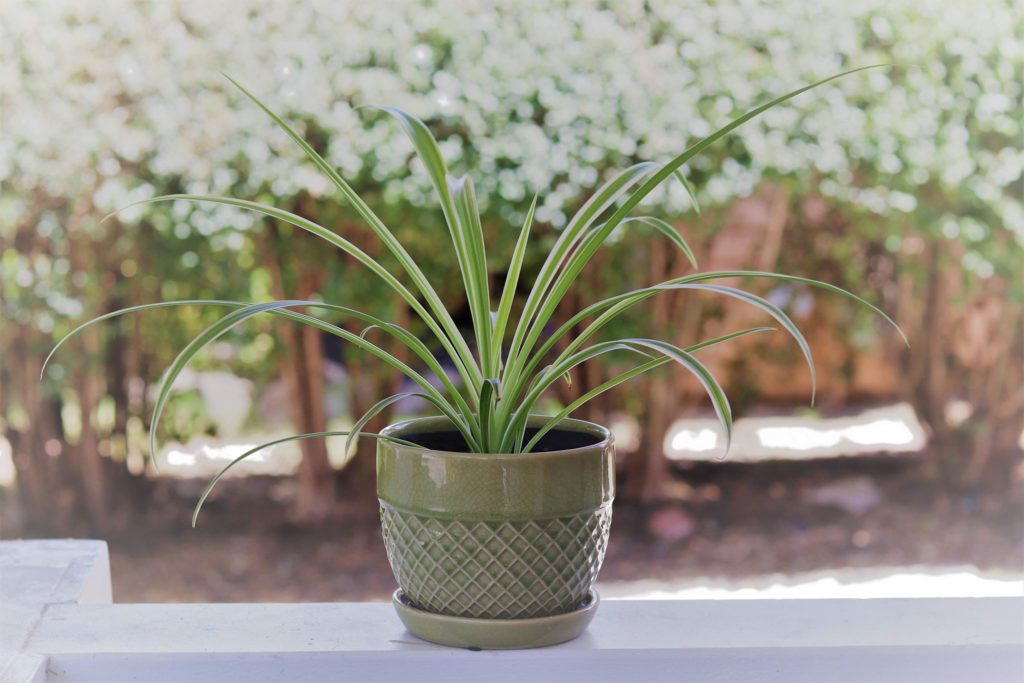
555, 440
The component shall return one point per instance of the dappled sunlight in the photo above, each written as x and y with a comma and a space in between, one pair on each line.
891, 429
225, 452
7, 473
876, 433
175, 458
873, 582
697, 441
204, 457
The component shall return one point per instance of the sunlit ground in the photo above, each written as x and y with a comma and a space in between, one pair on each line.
890, 429
874, 582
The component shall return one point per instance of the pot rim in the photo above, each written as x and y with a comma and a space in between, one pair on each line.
603, 434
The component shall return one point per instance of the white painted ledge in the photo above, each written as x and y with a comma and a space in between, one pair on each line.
924, 639
34, 577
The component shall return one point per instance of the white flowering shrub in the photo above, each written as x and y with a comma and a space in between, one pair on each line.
106, 103
110, 100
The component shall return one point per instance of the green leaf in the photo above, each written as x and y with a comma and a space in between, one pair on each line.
668, 231
477, 285
458, 203
234, 318
772, 310
615, 305
462, 356
689, 190
746, 297
490, 392
719, 400
253, 451
209, 335
582, 256
352, 441
605, 197
671, 166
123, 311
516, 424
305, 224
512, 280
403, 335
625, 377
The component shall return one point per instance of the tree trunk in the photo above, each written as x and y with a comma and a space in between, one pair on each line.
316, 477
928, 362
370, 381
91, 464
303, 370
368, 385
88, 382
994, 368
646, 468
42, 494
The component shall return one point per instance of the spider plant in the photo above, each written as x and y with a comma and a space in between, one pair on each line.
511, 363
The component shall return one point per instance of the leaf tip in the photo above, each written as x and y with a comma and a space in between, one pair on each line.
724, 455
153, 451
235, 83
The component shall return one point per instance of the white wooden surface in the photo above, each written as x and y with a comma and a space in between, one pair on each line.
924, 639
36, 576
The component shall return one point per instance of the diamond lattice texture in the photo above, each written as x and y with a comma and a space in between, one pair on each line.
496, 570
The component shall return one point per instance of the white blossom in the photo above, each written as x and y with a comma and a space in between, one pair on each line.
111, 100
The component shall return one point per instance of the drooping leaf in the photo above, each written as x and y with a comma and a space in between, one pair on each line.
253, 451
346, 246
668, 231
462, 354
458, 203
613, 306
234, 318
575, 264
625, 377
689, 189
352, 441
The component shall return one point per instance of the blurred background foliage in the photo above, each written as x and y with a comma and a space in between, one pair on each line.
901, 184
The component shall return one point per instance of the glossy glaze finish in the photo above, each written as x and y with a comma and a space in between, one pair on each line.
495, 487
495, 536
496, 634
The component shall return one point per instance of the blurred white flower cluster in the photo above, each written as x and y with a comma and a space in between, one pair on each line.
113, 100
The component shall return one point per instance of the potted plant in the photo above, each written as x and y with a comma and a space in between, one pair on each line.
496, 518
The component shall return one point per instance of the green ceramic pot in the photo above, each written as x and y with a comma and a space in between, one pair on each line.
496, 536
